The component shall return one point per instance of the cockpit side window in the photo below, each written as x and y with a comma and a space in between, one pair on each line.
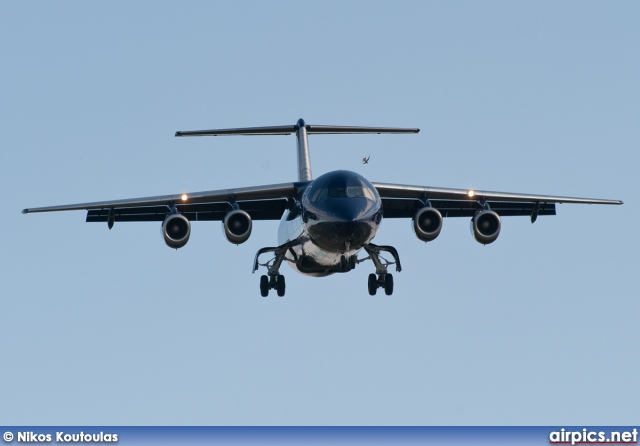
319, 195
368, 193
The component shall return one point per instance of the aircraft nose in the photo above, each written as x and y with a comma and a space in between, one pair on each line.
347, 210
343, 222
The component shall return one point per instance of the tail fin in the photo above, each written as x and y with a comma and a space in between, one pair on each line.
301, 129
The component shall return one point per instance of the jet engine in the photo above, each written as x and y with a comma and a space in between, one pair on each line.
427, 224
485, 226
176, 230
237, 226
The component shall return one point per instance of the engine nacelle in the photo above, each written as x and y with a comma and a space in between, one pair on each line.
485, 226
427, 224
176, 230
237, 226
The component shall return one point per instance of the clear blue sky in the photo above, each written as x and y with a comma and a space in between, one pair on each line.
114, 328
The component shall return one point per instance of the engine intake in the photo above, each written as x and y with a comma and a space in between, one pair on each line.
427, 224
485, 226
176, 230
237, 226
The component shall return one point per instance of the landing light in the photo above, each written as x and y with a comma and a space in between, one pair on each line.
184, 197
471, 194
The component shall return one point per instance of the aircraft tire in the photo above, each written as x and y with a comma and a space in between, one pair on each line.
280, 285
373, 284
388, 284
264, 286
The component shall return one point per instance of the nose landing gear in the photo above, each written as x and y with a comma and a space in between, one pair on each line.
348, 263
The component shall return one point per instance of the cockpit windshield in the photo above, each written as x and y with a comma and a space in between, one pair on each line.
339, 192
322, 193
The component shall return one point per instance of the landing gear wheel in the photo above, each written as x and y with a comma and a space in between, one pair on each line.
373, 284
280, 285
264, 286
344, 264
388, 284
353, 260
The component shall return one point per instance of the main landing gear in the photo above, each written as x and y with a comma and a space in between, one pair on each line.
381, 278
382, 281
273, 280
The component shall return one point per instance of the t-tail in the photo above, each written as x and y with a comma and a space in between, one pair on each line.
302, 130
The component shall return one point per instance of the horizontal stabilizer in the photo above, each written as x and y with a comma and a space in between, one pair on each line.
275, 130
345, 130
302, 130
289, 129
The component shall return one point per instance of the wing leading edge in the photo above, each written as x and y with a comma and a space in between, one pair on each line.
261, 202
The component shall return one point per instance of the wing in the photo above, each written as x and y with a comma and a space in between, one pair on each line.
402, 201
261, 202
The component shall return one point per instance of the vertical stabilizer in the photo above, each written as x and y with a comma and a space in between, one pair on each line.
304, 158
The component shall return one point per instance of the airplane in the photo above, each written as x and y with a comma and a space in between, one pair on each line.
327, 222
365, 160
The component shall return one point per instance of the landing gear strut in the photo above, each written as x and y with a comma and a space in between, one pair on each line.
382, 278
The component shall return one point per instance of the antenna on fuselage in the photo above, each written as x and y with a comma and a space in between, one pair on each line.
302, 130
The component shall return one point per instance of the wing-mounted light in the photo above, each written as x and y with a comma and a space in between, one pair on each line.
237, 225
427, 223
176, 229
485, 225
